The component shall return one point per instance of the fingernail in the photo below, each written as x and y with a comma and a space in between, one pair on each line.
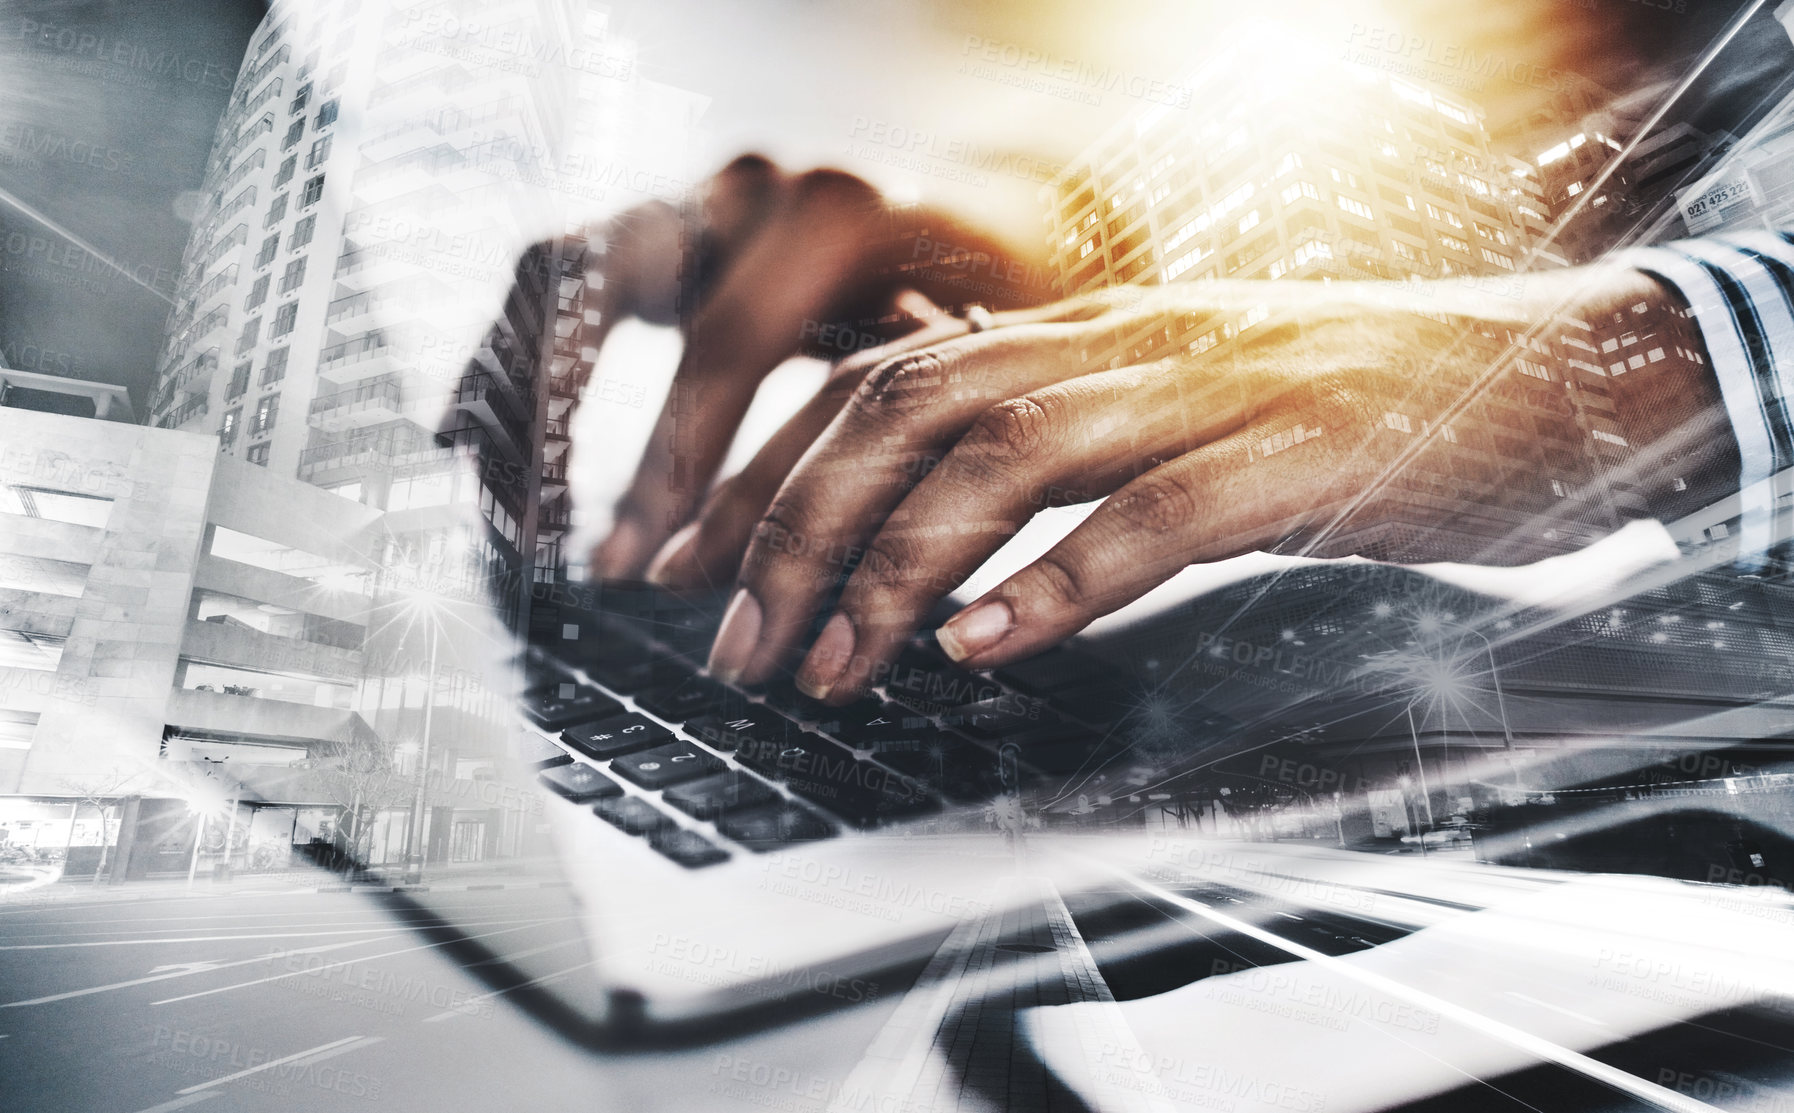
975, 630
736, 638
828, 658
676, 562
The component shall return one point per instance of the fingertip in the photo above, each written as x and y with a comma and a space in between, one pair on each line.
676, 564
975, 630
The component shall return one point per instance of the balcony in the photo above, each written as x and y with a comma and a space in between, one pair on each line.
493, 403
371, 402
369, 354
193, 407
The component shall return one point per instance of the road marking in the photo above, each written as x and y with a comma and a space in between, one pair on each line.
344, 962
469, 1006
259, 935
180, 1103
269, 957
318, 1051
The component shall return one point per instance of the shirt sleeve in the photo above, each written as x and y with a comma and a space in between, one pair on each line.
1740, 287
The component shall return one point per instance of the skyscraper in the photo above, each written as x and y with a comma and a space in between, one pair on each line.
1349, 172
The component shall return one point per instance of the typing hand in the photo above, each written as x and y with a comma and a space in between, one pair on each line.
776, 265
1323, 422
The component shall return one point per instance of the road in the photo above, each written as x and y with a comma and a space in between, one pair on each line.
318, 1001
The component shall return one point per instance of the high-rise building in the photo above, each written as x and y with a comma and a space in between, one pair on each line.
367, 203
1351, 172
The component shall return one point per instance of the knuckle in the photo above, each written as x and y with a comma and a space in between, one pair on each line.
784, 528
901, 387
1155, 504
1059, 579
1015, 430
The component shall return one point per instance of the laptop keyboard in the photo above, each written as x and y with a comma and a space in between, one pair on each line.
703, 772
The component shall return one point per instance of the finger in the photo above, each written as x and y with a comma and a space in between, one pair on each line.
905, 413
1072, 442
1218, 501
707, 552
791, 270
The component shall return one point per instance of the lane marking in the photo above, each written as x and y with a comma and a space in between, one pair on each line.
230, 938
322, 1051
180, 1103
270, 956
344, 962
467, 1007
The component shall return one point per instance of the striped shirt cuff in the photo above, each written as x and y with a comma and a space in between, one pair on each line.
1741, 288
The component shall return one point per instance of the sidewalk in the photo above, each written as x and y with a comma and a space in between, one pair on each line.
448, 877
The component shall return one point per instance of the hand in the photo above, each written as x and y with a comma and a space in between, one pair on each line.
777, 264
1335, 414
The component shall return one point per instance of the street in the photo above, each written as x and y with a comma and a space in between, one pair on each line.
301, 1000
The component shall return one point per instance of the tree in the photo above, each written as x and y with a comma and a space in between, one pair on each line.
363, 778
98, 789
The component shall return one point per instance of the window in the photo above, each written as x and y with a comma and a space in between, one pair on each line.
239, 382
1296, 190
335, 77
266, 411
276, 368
1454, 243
284, 318
227, 432
285, 173
269, 247
314, 189
293, 134
258, 454
276, 212
1498, 259
1399, 422
295, 274
302, 233
320, 151
1248, 222
251, 333
1355, 207
300, 99
258, 293
1402, 250
327, 113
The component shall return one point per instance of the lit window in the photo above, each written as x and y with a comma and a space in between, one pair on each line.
266, 412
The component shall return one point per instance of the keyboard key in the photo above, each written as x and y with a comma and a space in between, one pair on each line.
750, 726
689, 698
954, 767
615, 736
688, 848
871, 724
633, 814
773, 825
828, 774
639, 672
554, 706
535, 752
667, 765
725, 792
1002, 716
580, 782
926, 681
782, 695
